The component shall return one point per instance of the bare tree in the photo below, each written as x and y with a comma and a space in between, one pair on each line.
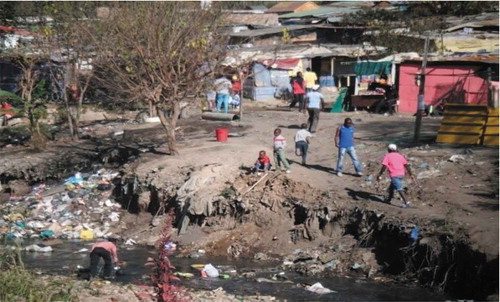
67, 41
160, 52
33, 106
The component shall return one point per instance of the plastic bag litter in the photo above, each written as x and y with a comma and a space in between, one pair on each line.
210, 271
114, 216
130, 242
170, 246
36, 248
319, 289
77, 179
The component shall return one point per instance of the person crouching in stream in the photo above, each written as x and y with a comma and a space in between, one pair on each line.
108, 252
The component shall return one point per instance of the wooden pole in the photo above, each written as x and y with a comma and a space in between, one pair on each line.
421, 91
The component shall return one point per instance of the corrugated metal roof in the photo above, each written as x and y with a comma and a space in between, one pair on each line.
487, 58
285, 7
257, 7
480, 20
475, 24
253, 19
238, 56
333, 13
324, 10
268, 31
351, 4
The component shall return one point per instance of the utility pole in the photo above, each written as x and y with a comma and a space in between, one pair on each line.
242, 80
490, 98
420, 98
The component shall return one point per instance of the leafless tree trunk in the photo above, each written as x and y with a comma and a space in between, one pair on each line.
169, 124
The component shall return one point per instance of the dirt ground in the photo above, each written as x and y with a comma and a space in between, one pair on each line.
463, 193
458, 194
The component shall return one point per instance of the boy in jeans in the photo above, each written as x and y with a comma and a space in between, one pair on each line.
279, 144
302, 140
397, 165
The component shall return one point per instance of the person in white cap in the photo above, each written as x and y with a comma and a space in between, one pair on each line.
397, 165
315, 103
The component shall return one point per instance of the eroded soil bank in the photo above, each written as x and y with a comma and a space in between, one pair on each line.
312, 221
318, 234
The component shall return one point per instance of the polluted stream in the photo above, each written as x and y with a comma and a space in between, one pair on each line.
65, 258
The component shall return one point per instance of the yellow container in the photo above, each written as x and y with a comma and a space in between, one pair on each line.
86, 234
198, 266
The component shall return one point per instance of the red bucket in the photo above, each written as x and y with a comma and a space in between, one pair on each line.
221, 134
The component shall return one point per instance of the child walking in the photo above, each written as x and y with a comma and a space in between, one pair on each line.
302, 141
279, 144
397, 165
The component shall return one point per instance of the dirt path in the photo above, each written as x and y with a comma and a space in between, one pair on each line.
462, 193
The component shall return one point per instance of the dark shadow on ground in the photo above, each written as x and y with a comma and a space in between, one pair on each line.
491, 206
290, 126
317, 167
486, 195
358, 195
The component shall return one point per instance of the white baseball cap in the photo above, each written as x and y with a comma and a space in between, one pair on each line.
315, 87
392, 147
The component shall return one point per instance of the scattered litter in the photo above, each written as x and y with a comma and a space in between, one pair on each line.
80, 207
115, 217
198, 266
130, 241
356, 266
47, 234
86, 234
75, 180
456, 158
414, 233
52, 242
170, 246
210, 271
423, 166
184, 275
319, 289
82, 250
36, 248
428, 174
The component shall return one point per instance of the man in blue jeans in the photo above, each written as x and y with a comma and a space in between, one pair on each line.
223, 88
344, 140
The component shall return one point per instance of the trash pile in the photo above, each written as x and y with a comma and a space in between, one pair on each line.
79, 208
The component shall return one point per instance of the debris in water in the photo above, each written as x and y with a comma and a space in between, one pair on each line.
319, 289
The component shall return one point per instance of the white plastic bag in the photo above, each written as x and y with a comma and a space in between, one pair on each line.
319, 289
211, 271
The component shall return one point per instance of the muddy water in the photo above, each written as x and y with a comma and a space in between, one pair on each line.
63, 260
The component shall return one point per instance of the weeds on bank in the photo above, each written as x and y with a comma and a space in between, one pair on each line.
228, 192
19, 284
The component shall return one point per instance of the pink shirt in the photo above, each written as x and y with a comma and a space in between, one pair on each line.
108, 246
395, 163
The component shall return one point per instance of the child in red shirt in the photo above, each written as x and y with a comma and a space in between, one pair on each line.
263, 163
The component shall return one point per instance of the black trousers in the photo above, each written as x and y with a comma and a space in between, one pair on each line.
95, 256
298, 98
313, 119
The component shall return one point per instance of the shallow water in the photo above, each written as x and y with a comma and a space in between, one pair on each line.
63, 261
